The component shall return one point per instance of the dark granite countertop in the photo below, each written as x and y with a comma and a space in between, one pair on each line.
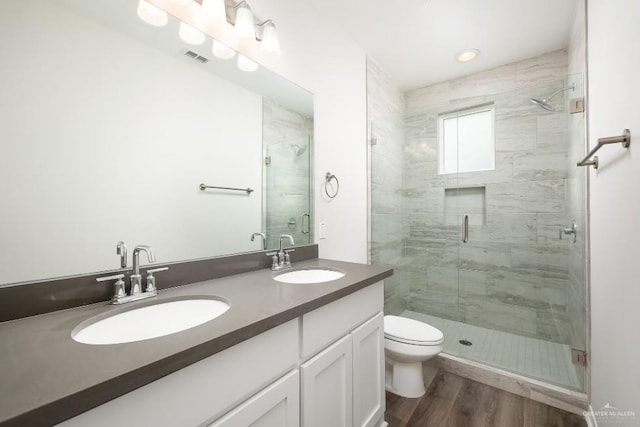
47, 377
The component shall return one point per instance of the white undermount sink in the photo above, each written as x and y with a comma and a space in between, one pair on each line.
309, 276
150, 321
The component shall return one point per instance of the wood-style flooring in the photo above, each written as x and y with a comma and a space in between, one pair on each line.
451, 400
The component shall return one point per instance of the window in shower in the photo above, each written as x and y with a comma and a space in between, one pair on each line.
466, 141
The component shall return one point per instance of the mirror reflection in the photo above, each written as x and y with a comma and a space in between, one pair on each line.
109, 129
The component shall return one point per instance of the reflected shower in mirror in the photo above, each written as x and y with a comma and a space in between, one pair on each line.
109, 129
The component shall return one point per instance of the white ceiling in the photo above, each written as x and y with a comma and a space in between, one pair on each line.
416, 41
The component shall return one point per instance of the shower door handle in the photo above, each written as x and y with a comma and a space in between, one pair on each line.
465, 228
308, 223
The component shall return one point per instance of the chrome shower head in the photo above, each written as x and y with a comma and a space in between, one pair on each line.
544, 102
298, 150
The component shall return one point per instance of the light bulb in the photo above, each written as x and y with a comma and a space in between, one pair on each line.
467, 55
222, 51
214, 9
245, 64
270, 38
190, 35
244, 22
151, 14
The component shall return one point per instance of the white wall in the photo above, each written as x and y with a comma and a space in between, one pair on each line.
101, 142
319, 57
614, 90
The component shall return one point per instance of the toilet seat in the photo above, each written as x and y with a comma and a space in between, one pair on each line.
409, 331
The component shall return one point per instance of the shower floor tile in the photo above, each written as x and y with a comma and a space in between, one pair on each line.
544, 360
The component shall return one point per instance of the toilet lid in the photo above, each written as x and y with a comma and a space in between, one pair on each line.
411, 331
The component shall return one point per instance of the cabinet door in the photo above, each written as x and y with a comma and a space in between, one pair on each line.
368, 372
276, 406
327, 387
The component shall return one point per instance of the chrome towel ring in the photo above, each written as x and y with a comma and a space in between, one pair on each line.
327, 179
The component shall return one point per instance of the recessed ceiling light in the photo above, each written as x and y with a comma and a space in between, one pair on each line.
467, 55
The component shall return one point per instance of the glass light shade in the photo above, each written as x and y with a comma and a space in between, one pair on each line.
270, 38
222, 51
179, 2
151, 14
245, 64
214, 9
244, 25
190, 35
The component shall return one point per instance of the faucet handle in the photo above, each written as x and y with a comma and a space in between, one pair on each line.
157, 270
287, 257
151, 281
274, 259
119, 292
105, 278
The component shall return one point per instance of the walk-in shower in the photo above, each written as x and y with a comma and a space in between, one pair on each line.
468, 158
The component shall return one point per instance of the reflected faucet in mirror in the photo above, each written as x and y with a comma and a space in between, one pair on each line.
121, 249
264, 239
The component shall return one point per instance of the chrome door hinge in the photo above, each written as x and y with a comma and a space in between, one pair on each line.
579, 357
576, 105
267, 160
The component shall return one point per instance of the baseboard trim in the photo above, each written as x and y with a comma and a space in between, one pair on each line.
539, 391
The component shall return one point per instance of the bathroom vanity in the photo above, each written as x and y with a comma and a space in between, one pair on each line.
282, 355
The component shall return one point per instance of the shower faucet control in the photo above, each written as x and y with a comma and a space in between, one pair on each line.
568, 232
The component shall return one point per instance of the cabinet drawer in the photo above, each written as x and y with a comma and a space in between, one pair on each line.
276, 406
205, 390
327, 324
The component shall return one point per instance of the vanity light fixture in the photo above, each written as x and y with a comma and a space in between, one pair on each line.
190, 35
222, 51
467, 55
269, 37
151, 14
244, 25
245, 64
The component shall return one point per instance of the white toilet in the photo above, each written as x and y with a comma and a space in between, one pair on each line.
408, 343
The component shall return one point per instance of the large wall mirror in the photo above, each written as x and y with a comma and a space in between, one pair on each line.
109, 128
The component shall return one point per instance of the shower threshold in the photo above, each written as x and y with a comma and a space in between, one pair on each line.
543, 360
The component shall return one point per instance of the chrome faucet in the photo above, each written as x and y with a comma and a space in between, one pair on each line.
120, 296
136, 278
282, 259
264, 239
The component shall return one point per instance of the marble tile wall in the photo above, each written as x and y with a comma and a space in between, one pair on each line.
385, 111
513, 274
286, 185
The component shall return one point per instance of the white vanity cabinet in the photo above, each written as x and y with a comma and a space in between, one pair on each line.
206, 390
325, 368
343, 385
